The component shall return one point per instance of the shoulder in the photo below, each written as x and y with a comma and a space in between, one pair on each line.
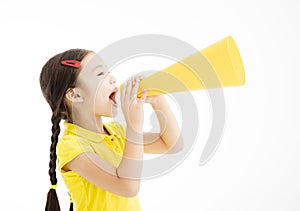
66, 143
68, 147
70, 144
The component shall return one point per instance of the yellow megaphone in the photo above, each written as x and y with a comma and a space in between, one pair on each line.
219, 65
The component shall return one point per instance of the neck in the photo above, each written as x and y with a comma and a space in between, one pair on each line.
90, 122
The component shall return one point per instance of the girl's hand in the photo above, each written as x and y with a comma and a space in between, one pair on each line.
132, 106
154, 99
151, 99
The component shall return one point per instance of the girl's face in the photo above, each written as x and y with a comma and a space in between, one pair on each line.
97, 87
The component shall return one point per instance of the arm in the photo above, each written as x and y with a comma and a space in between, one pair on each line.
125, 179
169, 139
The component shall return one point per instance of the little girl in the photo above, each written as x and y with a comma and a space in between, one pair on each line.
101, 164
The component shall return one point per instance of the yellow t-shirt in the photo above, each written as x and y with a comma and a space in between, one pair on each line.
85, 195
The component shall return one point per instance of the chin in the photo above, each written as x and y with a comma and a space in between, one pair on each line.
113, 113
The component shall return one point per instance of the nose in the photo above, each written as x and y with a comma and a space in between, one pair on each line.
112, 79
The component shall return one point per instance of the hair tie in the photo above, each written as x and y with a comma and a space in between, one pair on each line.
71, 63
53, 186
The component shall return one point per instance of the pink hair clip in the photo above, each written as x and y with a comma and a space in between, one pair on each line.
71, 63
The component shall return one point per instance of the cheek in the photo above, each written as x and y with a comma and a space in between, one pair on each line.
97, 93
100, 98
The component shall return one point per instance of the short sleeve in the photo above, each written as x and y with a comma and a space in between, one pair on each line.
67, 149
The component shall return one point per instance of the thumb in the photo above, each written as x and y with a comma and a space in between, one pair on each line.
144, 96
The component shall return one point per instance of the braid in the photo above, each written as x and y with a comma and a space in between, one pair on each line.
52, 200
54, 139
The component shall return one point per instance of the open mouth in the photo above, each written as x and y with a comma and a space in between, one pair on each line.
112, 97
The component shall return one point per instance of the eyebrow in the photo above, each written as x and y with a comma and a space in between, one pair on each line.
94, 68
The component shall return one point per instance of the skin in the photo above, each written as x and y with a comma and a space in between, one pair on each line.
90, 102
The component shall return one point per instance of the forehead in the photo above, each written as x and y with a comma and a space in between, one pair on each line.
91, 61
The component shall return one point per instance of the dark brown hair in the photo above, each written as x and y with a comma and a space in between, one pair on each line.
55, 80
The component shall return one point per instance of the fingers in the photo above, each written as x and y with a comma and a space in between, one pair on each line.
144, 96
141, 77
123, 93
126, 91
136, 84
138, 79
130, 89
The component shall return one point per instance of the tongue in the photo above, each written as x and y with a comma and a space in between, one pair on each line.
112, 99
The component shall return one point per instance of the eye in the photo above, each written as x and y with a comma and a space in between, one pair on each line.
101, 73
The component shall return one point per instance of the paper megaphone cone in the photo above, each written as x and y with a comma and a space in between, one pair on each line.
219, 65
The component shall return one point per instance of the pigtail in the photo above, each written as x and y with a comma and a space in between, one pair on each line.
52, 200
71, 206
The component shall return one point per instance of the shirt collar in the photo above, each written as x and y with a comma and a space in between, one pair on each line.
73, 129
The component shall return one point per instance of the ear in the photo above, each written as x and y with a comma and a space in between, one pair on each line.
73, 95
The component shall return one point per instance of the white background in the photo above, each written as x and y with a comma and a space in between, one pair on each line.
256, 166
